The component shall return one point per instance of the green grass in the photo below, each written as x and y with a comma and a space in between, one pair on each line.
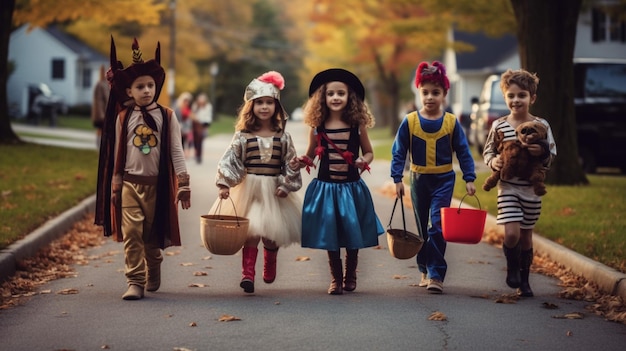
39, 182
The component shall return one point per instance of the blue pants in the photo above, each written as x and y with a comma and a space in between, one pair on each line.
429, 193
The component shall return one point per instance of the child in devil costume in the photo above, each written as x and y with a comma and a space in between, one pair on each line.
142, 173
256, 173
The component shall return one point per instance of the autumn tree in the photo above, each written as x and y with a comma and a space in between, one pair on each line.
43, 12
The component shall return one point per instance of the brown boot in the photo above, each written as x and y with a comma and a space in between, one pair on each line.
352, 260
526, 259
336, 271
248, 262
134, 292
154, 257
513, 278
269, 264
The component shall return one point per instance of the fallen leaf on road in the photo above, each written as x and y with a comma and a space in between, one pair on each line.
302, 258
398, 276
193, 324
507, 298
197, 285
186, 264
105, 347
68, 291
573, 315
228, 318
569, 333
200, 274
437, 316
207, 258
550, 306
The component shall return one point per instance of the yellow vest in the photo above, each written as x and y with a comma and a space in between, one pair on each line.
447, 128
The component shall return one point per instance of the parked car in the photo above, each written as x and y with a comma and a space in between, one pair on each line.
490, 106
43, 103
600, 108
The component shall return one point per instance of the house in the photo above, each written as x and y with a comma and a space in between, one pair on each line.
597, 36
48, 55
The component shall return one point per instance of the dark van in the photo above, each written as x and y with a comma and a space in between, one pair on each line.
600, 107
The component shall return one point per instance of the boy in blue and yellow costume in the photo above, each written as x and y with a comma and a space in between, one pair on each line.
431, 136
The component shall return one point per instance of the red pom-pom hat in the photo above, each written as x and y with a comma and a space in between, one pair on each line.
268, 84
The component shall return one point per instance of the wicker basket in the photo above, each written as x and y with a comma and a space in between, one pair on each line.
222, 234
402, 243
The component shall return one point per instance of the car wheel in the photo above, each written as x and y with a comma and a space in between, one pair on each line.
587, 160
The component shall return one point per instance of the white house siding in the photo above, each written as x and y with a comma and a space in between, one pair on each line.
33, 52
585, 48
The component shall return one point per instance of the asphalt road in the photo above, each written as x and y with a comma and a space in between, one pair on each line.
386, 312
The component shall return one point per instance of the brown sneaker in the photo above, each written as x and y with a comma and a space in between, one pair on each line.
435, 286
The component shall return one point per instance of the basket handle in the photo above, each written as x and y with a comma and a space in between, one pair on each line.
394, 210
219, 207
463, 198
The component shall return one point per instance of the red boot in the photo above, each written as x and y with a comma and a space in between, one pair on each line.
248, 262
269, 264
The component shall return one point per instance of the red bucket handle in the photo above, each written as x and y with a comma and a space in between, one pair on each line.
463, 198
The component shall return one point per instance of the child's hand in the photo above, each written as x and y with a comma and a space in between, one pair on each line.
224, 193
496, 163
184, 197
295, 163
280, 193
400, 189
470, 188
361, 164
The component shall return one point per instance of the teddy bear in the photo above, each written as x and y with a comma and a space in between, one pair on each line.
516, 159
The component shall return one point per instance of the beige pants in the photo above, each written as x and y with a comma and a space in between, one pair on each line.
140, 250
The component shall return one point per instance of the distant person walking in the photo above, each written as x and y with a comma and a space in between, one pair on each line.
202, 117
101, 93
183, 113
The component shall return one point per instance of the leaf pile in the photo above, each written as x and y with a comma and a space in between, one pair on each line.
51, 262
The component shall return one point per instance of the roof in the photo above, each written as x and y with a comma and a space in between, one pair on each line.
75, 45
489, 51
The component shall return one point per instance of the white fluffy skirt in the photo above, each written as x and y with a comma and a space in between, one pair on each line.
271, 217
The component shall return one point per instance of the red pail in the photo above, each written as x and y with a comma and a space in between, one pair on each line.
463, 225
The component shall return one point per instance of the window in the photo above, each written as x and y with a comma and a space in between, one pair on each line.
86, 78
58, 69
607, 27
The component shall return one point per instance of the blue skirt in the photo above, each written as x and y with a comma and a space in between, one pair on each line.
337, 215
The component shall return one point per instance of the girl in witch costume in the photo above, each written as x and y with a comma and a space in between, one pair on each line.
256, 173
142, 173
338, 208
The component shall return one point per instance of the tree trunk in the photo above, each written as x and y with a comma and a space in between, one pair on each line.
7, 136
546, 32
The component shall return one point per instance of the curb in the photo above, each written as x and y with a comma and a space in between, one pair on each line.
608, 279
49, 231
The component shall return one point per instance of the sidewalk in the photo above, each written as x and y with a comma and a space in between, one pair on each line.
608, 279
